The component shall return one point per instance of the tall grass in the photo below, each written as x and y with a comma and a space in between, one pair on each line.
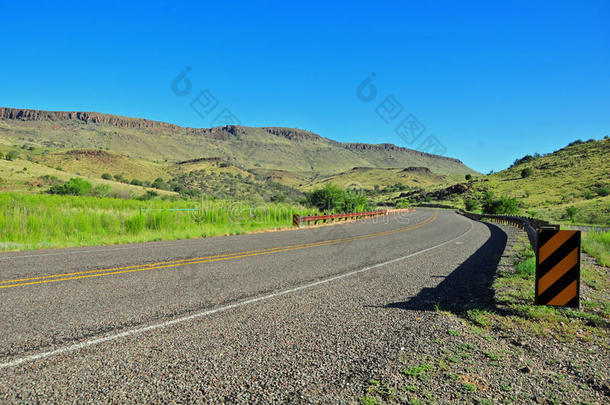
597, 244
34, 221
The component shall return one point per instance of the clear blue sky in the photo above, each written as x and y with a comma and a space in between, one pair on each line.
491, 81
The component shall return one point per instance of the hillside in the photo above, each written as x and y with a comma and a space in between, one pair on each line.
251, 148
577, 175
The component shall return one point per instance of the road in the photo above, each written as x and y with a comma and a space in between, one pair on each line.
302, 316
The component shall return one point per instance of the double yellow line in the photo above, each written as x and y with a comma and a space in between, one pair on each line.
176, 263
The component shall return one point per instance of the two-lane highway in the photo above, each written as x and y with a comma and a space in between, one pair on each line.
252, 317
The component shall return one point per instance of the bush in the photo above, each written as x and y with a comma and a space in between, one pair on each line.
576, 142
603, 191
101, 190
107, 176
571, 212
499, 206
468, 177
278, 197
160, 184
12, 155
75, 186
149, 195
404, 203
527, 172
332, 198
471, 204
136, 182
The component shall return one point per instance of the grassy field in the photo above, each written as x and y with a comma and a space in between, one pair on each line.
38, 221
24, 175
597, 244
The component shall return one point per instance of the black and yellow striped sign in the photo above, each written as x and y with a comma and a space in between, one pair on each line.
558, 268
296, 220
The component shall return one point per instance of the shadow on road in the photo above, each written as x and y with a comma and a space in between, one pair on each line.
469, 285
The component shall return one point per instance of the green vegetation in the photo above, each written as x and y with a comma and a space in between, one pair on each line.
597, 244
570, 184
75, 186
404, 203
418, 371
333, 199
266, 148
470, 204
527, 172
515, 296
499, 206
571, 212
46, 221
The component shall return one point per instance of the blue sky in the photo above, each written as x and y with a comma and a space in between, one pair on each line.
491, 82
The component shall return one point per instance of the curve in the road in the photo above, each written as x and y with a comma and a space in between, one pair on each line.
97, 341
176, 263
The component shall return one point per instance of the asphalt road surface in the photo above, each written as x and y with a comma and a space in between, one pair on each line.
297, 316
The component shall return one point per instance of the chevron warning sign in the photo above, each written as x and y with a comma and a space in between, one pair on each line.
296, 220
558, 268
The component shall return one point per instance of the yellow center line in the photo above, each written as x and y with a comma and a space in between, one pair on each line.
176, 263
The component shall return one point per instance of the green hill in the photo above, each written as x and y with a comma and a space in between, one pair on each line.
544, 186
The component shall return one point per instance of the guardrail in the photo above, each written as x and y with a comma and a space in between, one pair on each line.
298, 220
557, 257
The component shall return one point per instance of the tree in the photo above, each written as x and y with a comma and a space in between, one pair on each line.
328, 198
75, 186
527, 172
332, 198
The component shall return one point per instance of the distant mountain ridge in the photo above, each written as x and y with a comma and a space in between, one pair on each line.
231, 142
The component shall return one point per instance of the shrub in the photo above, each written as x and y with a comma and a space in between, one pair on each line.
12, 155
160, 184
571, 212
75, 186
527, 172
107, 176
603, 191
334, 199
468, 177
149, 195
499, 206
101, 190
404, 203
471, 204
278, 197
136, 182
576, 142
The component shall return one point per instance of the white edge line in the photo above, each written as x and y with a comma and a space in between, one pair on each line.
131, 332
